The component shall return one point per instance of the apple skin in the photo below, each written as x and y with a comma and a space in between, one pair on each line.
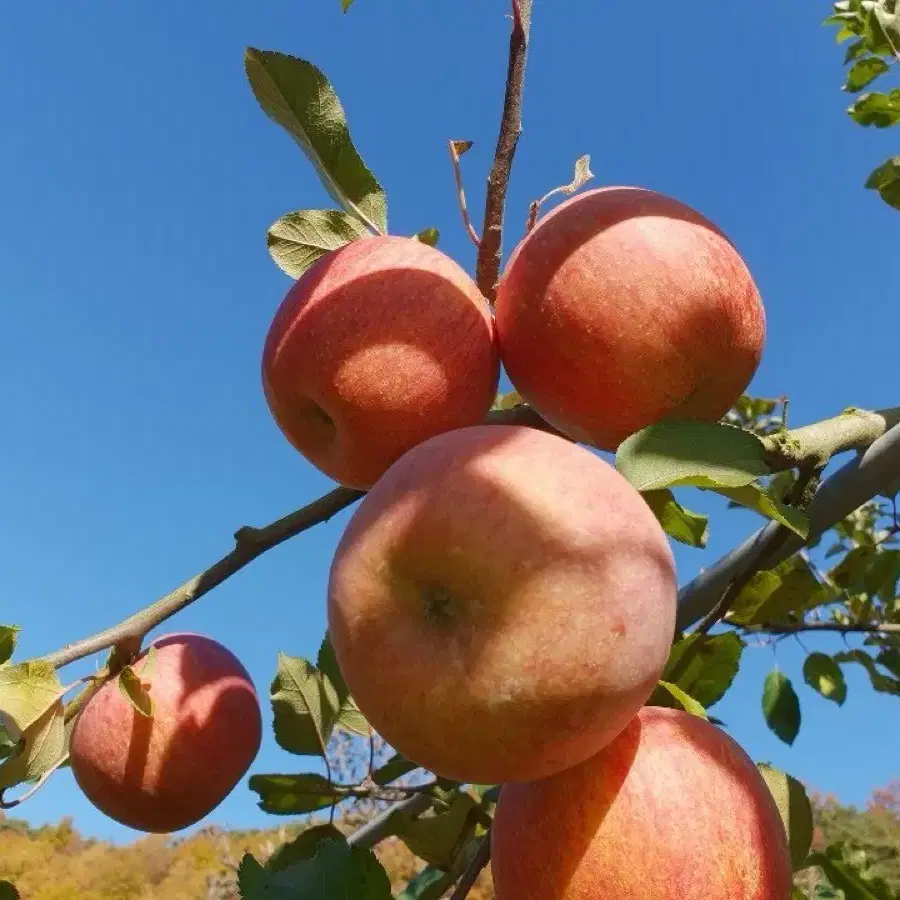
624, 307
164, 773
673, 808
379, 345
501, 604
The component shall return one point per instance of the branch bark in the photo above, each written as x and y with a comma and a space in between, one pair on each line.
487, 267
481, 858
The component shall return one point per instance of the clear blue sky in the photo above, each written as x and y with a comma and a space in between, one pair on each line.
138, 177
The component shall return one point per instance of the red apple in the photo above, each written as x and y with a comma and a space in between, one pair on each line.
166, 772
624, 307
501, 604
673, 808
381, 344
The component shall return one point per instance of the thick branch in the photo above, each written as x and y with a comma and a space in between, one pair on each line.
487, 268
382, 826
868, 474
853, 429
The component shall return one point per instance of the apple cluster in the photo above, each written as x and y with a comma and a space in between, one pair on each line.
502, 603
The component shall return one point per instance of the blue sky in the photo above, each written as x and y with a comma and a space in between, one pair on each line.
138, 177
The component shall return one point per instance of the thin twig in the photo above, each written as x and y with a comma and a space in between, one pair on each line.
457, 148
835, 627
382, 826
481, 858
487, 268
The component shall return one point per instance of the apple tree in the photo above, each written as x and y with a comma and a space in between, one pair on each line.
511, 676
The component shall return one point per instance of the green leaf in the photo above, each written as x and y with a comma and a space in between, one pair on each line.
41, 746
508, 401
294, 795
781, 595
763, 501
437, 838
781, 706
27, 690
428, 236
299, 239
297, 95
824, 675
854, 51
430, 884
302, 847
795, 810
877, 109
864, 72
847, 878
687, 703
8, 891
886, 180
133, 689
346, 4
679, 523
882, 683
348, 715
396, 767
709, 674
9, 635
305, 705
704, 454
337, 872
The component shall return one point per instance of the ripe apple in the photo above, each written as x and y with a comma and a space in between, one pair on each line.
163, 773
501, 603
672, 808
624, 307
381, 344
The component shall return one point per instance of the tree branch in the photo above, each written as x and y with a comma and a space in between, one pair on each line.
487, 268
481, 858
381, 826
871, 472
836, 627
249, 544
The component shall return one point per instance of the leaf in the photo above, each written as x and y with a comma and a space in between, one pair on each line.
346, 4
886, 180
8, 891
299, 239
9, 635
781, 706
135, 691
688, 703
294, 795
760, 499
27, 690
348, 715
428, 236
780, 595
847, 878
864, 72
430, 884
297, 95
824, 675
882, 683
336, 872
40, 748
396, 767
704, 454
795, 810
711, 670
302, 847
679, 523
437, 838
877, 109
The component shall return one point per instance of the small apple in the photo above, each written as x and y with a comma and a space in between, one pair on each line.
501, 604
624, 307
672, 808
167, 771
381, 344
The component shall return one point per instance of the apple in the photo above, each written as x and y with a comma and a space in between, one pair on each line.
381, 344
672, 808
501, 603
165, 772
624, 307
